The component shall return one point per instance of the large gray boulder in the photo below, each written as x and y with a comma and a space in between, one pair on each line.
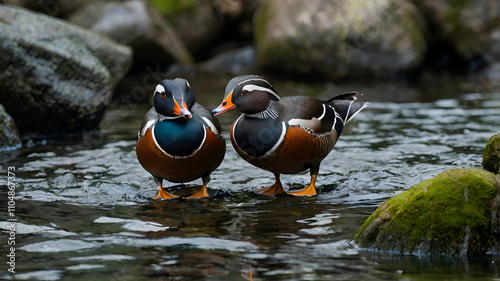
138, 24
340, 38
56, 77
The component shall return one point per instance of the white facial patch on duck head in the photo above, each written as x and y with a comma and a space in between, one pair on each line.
251, 88
159, 89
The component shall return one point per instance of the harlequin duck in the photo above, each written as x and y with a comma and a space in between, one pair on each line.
179, 140
284, 135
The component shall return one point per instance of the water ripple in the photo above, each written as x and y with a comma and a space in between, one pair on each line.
88, 210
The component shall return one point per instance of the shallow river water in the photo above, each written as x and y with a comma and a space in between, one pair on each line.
83, 210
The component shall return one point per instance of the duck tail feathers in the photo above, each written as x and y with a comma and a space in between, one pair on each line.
346, 105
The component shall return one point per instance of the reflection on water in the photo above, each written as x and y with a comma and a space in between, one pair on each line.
84, 211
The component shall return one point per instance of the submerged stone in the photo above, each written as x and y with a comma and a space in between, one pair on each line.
491, 154
449, 214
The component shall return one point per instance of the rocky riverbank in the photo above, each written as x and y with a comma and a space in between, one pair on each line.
62, 60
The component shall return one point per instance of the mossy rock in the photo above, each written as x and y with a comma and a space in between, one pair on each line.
449, 214
491, 155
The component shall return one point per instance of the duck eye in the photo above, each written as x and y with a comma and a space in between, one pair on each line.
163, 95
244, 92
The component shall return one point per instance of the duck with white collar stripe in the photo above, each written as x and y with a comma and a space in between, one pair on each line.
285, 135
179, 140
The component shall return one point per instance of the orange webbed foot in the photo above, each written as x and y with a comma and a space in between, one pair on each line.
202, 194
164, 195
274, 189
308, 191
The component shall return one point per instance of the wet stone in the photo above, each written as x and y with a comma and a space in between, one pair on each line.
67, 180
134, 225
61, 245
491, 155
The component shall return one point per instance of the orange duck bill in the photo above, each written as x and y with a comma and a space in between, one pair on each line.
225, 106
182, 110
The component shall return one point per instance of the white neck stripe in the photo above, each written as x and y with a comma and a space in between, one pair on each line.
324, 112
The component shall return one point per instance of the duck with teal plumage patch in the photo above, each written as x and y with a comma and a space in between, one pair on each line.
179, 140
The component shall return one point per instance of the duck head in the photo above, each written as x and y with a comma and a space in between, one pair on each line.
173, 98
248, 94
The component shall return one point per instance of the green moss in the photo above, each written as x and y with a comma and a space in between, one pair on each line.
437, 215
491, 155
170, 7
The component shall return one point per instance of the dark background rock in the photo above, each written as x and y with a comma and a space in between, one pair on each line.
56, 78
198, 27
233, 62
493, 53
138, 24
208, 27
465, 26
